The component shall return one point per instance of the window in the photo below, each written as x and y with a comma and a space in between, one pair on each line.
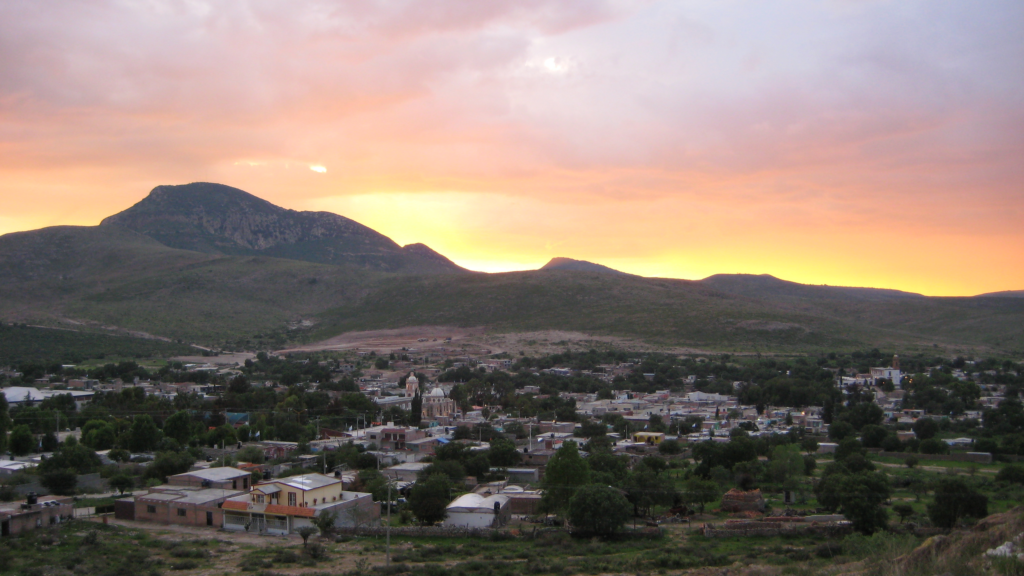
291, 498
259, 498
151, 509
181, 512
314, 501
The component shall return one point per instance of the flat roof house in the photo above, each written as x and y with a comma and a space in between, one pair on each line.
283, 505
225, 478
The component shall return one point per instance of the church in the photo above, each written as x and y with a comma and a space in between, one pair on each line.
435, 404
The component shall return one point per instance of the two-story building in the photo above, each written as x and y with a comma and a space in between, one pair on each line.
282, 505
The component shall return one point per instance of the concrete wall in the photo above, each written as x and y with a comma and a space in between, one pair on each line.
167, 513
978, 457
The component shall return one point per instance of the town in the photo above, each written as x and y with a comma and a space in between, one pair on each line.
470, 442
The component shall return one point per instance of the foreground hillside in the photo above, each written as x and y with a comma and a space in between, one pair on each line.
214, 265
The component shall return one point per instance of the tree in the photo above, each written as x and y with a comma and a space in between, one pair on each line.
306, 532
238, 385
60, 482
143, 436
121, 482
911, 461
699, 492
670, 447
22, 441
179, 427
873, 435
450, 468
566, 472
848, 447
325, 521
5, 423
503, 453
251, 454
955, 500
809, 445
1011, 473
860, 496
646, 488
49, 442
925, 428
904, 511
840, 430
429, 499
934, 446
599, 510
786, 463
168, 464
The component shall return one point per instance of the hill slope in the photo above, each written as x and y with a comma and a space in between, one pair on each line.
218, 219
578, 266
197, 263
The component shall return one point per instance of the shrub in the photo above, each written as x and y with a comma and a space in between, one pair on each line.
1012, 473
934, 446
828, 550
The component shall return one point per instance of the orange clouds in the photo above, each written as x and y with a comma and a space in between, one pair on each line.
856, 143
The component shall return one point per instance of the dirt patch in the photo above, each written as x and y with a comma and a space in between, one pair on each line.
421, 338
221, 360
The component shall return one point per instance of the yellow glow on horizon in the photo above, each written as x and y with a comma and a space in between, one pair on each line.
318, 169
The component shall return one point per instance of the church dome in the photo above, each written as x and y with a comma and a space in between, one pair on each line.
437, 393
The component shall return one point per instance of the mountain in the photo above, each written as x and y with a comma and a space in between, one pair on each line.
213, 265
218, 219
1003, 294
767, 286
578, 266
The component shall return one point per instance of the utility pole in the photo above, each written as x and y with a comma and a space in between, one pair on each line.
388, 563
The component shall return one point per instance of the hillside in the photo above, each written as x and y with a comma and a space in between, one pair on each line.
218, 219
577, 266
210, 264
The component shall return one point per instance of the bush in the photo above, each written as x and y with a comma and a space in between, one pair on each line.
934, 446
1012, 473
596, 509
828, 550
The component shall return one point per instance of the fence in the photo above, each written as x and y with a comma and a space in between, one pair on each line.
425, 531
830, 529
977, 457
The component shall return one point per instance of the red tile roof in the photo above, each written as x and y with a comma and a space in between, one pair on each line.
235, 505
282, 510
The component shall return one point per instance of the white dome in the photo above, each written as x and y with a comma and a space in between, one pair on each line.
437, 393
412, 379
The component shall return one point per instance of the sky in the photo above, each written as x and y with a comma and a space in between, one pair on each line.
859, 143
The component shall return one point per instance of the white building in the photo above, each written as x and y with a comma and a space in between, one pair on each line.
476, 511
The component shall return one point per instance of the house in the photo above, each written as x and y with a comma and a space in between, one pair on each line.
476, 511
406, 472
649, 438
18, 517
181, 504
283, 505
225, 478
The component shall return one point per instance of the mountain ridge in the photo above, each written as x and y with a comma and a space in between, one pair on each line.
572, 265
218, 219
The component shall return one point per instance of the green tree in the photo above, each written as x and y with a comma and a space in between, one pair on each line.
5, 423
859, 496
238, 385
934, 446
305, 532
699, 492
903, 510
1011, 473
121, 482
566, 472
503, 453
179, 427
839, 430
925, 428
646, 488
786, 462
599, 510
670, 447
143, 436
168, 464
809, 445
455, 472
251, 454
325, 521
429, 499
22, 442
954, 501
60, 482
873, 435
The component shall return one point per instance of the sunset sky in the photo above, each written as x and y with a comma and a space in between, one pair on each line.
865, 143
